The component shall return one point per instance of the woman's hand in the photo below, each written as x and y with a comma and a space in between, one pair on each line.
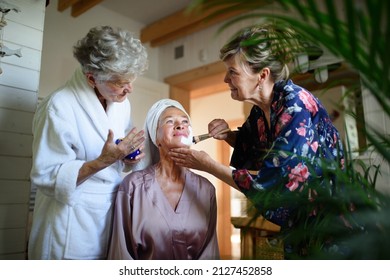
136, 159
112, 152
200, 160
216, 126
193, 159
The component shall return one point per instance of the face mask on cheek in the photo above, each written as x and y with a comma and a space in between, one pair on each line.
187, 140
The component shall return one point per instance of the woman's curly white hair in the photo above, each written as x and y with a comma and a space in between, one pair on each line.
106, 52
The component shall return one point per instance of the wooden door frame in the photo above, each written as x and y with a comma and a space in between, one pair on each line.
198, 82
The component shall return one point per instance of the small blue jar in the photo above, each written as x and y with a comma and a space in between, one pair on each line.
131, 155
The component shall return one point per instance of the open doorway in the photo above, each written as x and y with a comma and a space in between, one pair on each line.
203, 110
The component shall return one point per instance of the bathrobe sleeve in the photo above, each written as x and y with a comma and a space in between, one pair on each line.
55, 166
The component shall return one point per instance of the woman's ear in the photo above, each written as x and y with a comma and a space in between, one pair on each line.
264, 74
91, 80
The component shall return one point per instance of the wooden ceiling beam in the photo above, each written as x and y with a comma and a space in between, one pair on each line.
64, 4
82, 6
163, 31
78, 6
180, 24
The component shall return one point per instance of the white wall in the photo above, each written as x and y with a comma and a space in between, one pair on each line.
18, 97
146, 93
200, 49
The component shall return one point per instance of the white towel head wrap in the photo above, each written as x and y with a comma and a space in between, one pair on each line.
152, 155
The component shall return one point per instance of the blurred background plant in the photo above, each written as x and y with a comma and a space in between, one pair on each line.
359, 33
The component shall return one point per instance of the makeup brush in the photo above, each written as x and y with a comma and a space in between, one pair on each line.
197, 139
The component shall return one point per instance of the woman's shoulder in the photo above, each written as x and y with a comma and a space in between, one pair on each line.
55, 104
288, 89
291, 95
137, 179
201, 181
59, 99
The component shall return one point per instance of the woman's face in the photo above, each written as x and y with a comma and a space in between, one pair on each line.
242, 82
174, 129
116, 89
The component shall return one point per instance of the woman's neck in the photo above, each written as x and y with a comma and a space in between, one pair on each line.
101, 99
169, 170
265, 100
171, 180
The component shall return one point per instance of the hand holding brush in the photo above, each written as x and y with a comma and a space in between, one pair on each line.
197, 139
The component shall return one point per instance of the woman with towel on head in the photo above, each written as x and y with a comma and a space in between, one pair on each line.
164, 211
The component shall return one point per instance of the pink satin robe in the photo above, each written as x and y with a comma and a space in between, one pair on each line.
146, 227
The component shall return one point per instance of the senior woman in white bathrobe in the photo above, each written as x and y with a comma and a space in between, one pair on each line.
76, 163
165, 211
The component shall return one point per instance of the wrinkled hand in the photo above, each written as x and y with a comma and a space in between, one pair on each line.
133, 140
193, 159
137, 157
112, 152
216, 126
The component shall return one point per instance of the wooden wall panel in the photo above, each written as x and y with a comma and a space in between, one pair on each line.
15, 247
13, 216
23, 35
18, 77
12, 191
15, 144
19, 82
15, 168
32, 14
15, 121
30, 59
18, 99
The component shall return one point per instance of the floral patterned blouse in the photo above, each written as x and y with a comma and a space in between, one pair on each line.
285, 154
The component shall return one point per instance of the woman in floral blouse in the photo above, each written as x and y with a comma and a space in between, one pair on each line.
288, 136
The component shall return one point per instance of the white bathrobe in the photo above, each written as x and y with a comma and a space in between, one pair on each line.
70, 127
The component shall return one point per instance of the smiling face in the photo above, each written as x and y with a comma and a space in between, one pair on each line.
242, 82
174, 129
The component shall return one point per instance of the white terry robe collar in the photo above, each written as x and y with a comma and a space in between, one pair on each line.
86, 96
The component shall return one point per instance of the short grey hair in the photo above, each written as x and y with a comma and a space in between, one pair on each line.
106, 52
